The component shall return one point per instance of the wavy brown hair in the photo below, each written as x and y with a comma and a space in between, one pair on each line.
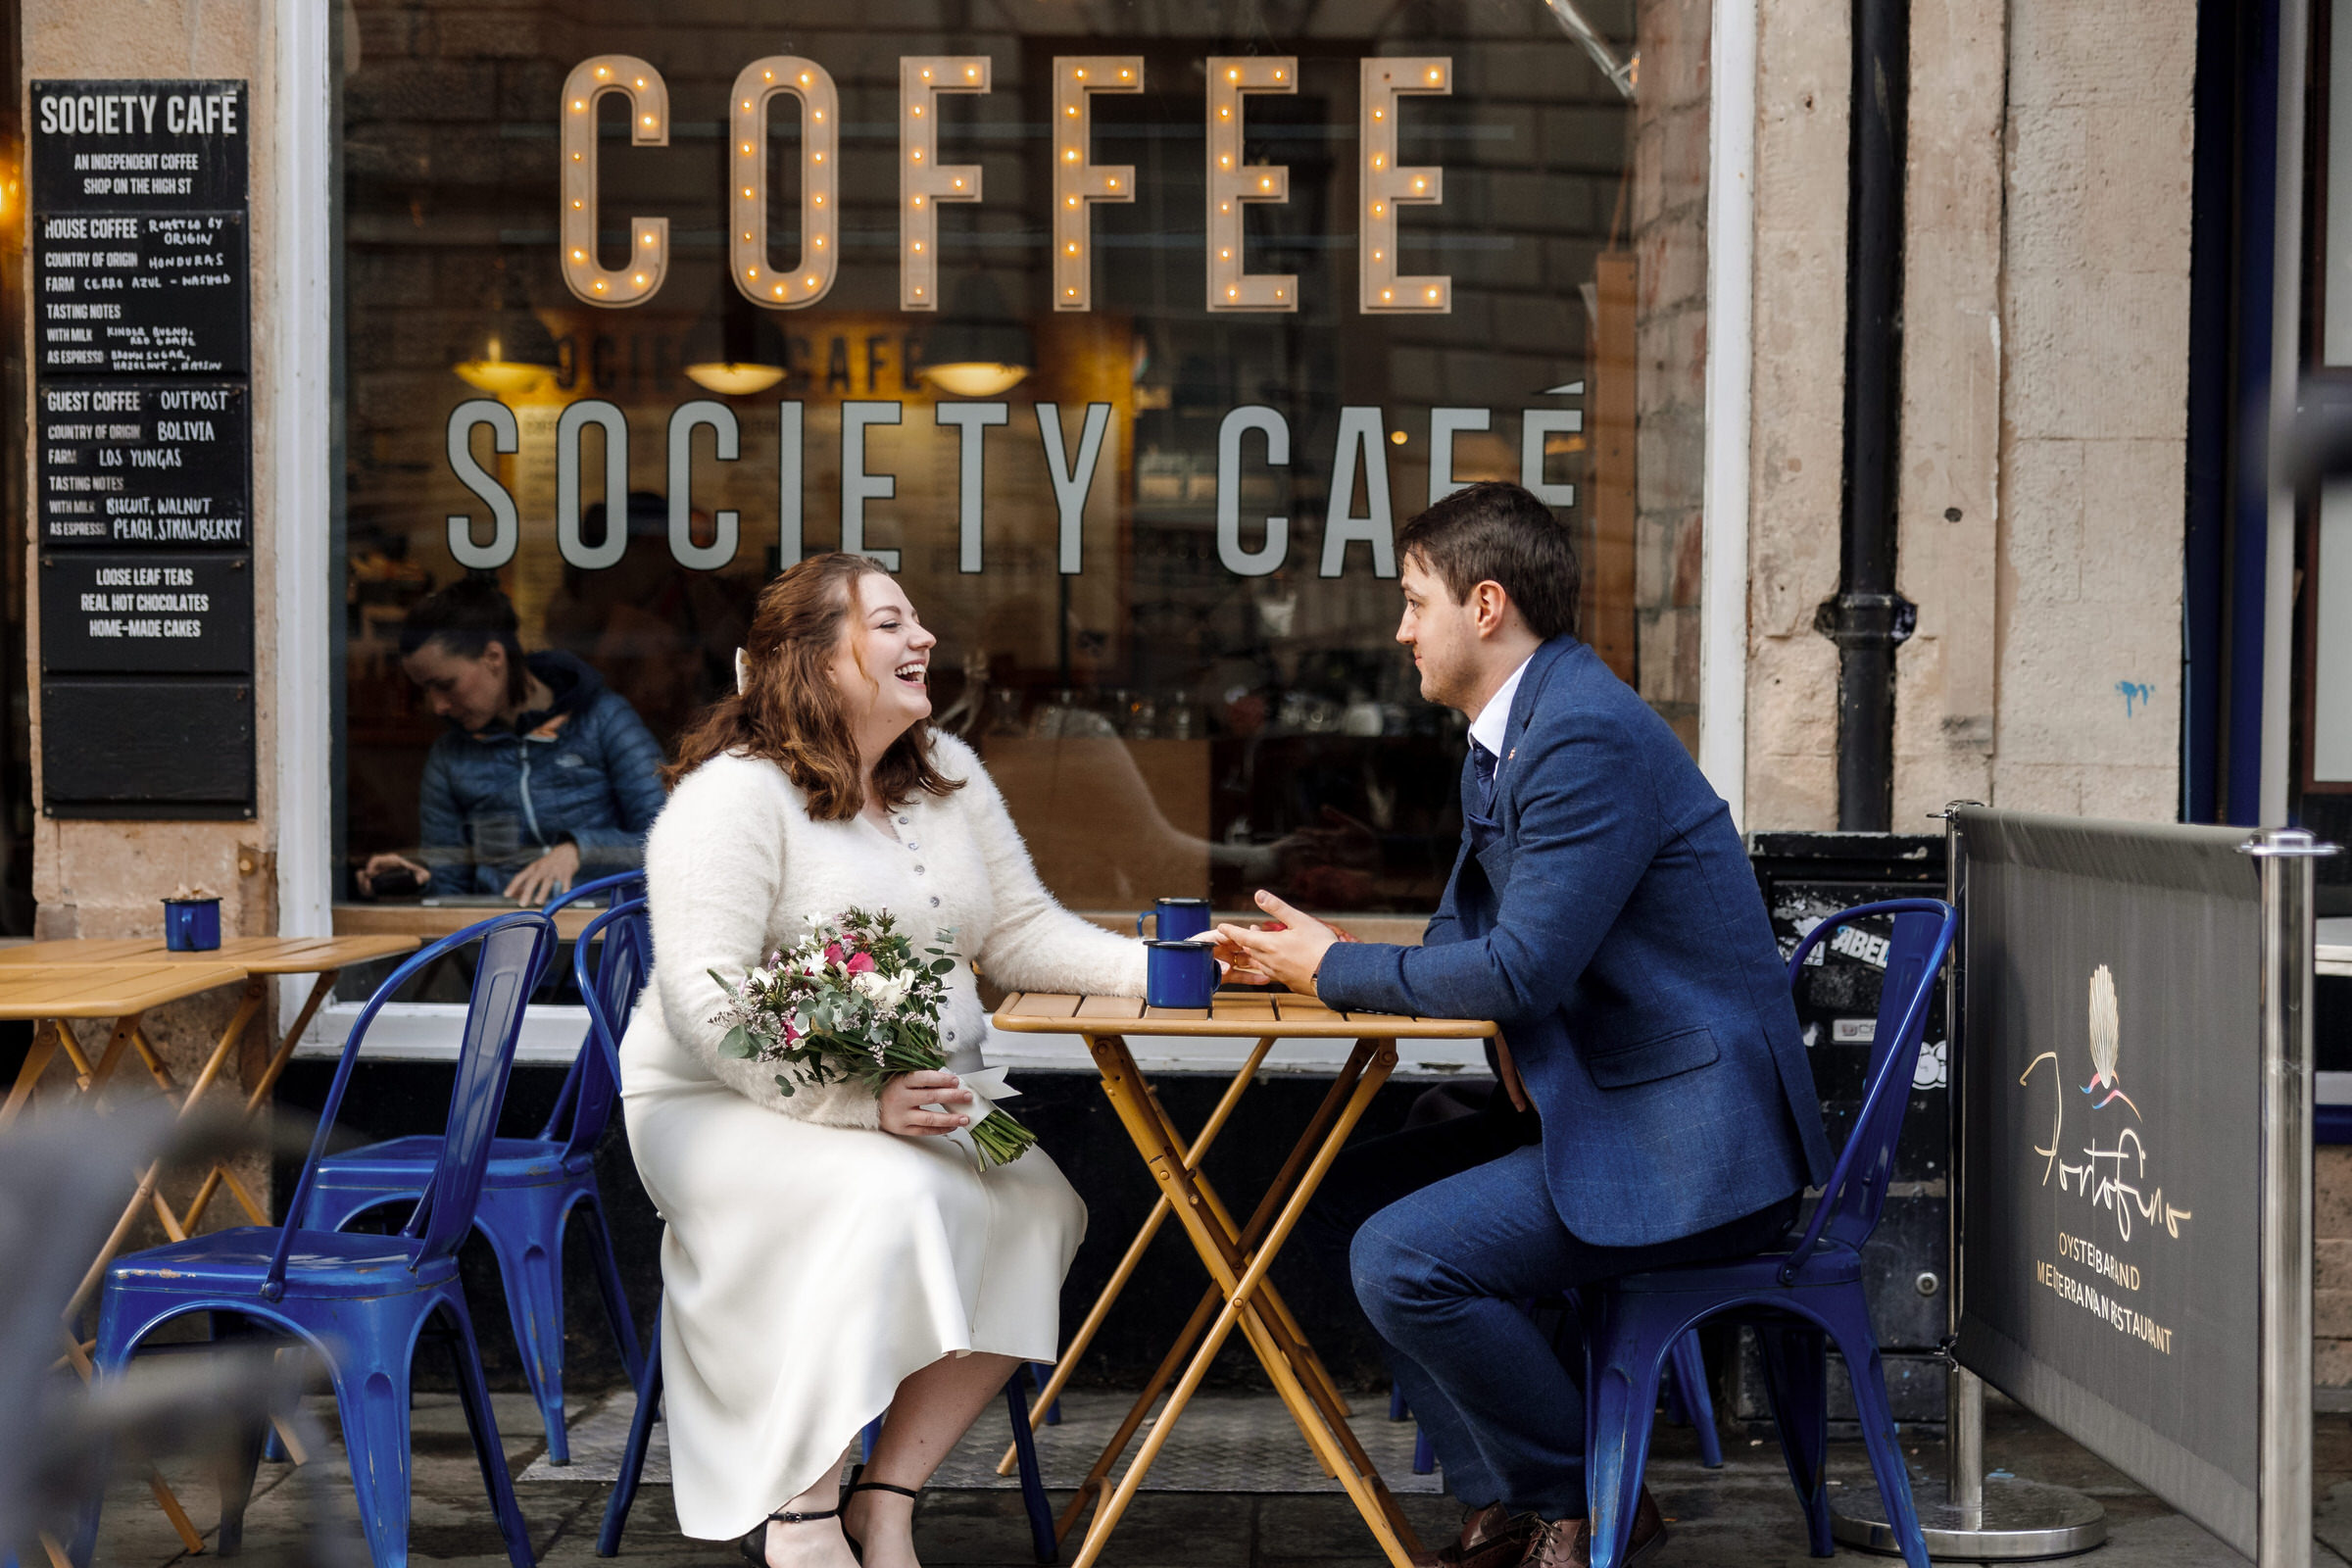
790, 711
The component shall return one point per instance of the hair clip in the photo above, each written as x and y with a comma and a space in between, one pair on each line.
743, 672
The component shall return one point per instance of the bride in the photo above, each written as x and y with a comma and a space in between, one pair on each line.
831, 1256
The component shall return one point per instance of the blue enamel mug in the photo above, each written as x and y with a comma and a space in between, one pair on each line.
191, 926
1179, 974
1178, 918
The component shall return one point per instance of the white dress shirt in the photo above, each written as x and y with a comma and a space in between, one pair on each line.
1494, 721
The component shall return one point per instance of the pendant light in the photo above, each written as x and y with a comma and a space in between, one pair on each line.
734, 349
510, 353
977, 350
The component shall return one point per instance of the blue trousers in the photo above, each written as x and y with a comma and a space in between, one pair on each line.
1441, 1273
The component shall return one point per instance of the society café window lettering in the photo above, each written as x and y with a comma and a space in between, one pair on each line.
1127, 349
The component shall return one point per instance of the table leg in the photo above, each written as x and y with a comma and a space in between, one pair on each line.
1312, 1365
258, 1093
1356, 1470
36, 1063
1318, 1127
1135, 1251
1281, 1335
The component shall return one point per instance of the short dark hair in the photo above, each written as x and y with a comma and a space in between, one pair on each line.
467, 617
1494, 531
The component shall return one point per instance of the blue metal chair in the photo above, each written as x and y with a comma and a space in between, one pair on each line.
363, 1301
534, 1185
603, 1034
1798, 1299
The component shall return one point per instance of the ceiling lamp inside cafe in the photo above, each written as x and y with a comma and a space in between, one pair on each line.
734, 349
508, 352
977, 350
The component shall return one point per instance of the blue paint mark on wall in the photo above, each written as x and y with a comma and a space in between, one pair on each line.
2137, 693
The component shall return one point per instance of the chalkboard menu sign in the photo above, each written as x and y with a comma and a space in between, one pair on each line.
142, 346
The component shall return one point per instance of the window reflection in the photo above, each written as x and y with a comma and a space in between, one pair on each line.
1152, 536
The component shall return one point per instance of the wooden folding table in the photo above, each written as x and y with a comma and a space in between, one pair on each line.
1237, 1256
121, 978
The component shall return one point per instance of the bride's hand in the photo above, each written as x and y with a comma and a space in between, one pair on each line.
904, 1097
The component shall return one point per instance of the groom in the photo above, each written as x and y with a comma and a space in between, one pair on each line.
1603, 913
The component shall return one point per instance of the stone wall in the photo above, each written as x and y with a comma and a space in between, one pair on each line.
2044, 419
2095, 260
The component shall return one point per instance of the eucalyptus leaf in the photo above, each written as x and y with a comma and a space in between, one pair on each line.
738, 1044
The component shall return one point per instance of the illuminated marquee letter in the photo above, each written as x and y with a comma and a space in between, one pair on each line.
1077, 182
923, 180
648, 127
506, 528
747, 181
1268, 557
1232, 182
682, 423
1385, 187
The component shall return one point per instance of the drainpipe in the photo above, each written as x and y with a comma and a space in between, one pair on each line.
1867, 618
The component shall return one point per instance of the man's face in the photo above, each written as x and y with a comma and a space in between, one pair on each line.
1441, 634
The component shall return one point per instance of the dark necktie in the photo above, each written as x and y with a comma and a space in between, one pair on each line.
1484, 761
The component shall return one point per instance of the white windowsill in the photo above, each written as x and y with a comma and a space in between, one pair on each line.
426, 1031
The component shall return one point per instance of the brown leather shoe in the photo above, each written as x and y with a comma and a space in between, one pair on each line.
1492, 1537
1568, 1542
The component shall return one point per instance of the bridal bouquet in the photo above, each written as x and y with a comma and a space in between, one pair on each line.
854, 1003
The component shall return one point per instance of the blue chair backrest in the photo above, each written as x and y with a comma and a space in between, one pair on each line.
620, 885
610, 960
607, 1014
1924, 930
514, 951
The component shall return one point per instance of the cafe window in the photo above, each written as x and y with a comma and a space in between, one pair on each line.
1127, 336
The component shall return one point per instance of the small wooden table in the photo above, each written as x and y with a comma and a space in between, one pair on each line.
1237, 1256
69, 987
121, 978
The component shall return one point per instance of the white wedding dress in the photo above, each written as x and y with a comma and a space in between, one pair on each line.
811, 1260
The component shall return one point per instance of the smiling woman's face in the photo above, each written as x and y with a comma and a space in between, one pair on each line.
883, 664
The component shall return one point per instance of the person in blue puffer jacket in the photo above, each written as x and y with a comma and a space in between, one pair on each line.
545, 773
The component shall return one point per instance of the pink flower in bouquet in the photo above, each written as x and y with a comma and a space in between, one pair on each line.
861, 963
832, 952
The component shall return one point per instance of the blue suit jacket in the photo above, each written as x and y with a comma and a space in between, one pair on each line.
1606, 917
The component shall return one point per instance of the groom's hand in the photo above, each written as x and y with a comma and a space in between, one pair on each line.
1290, 952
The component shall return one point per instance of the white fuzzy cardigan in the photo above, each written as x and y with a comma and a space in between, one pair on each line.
735, 869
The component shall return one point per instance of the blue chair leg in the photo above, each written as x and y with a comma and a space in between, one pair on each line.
1621, 1402
1699, 1405
1039, 1375
1797, 1382
1042, 1539
1425, 1455
866, 1439
632, 1458
1860, 1347
1397, 1406
371, 1394
608, 1286
524, 1226
474, 1392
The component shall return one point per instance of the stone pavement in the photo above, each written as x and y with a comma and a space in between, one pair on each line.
1742, 1515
